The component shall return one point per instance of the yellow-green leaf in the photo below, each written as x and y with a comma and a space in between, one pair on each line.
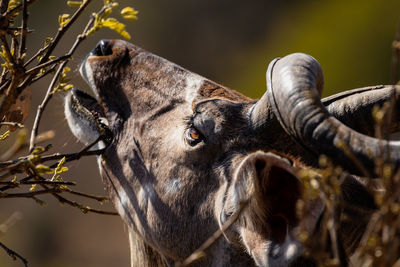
13, 4
116, 26
38, 150
130, 17
63, 19
74, 3
59, 169
5, 135
129, 13
43, 169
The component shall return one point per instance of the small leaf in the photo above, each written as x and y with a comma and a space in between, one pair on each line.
130, 17
43, 169
63, 19
63, 85
13, 4
5, 135
107, 12
40, 202
129, 13
33, 187
74, 3
58, 170
38, 150
116, 26
85, 209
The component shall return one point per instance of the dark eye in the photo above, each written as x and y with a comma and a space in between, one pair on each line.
193, 136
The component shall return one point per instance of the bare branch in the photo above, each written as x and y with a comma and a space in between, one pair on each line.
98, 198
84, 209
21, 143
48, 63
22, 47
4, 6
30, 194
62, 30
37, 78
16, 184
15, 124
14, 254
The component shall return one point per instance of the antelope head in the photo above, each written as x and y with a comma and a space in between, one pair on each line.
182, 153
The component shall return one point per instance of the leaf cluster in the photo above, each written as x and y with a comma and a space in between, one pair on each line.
31, 176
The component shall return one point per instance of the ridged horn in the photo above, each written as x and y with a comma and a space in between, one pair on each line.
294, 85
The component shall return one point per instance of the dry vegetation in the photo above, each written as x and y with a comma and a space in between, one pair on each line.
40, 173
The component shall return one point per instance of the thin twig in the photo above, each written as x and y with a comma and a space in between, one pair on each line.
14, 254
21, 143
5, 84
4, 6
334, 233
24, 25
30, 194
13, 164
37, 78
98, 198
49, 92
15, 184
198, 253
48, 63
81, 207
10, 123
63, 29
10, 222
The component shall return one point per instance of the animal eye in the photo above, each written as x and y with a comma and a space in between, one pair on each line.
193, 136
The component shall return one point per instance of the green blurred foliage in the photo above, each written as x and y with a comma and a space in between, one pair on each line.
350, 38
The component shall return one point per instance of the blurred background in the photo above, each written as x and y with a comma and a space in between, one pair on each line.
230, 42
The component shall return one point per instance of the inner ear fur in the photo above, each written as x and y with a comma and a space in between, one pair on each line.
270, 183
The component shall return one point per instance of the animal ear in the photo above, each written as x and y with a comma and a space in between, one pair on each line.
270, 184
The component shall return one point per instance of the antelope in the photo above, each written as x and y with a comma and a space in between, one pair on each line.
183, 152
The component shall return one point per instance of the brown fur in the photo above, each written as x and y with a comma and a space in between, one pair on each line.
174, 193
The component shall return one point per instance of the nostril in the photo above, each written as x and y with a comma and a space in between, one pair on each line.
103, 48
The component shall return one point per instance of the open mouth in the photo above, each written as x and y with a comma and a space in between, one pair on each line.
85, 116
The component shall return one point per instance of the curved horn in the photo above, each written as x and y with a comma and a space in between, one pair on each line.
294, 85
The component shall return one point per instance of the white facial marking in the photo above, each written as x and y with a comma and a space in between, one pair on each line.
193, 83
87, 74
123, 202
292, 250
174, 186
